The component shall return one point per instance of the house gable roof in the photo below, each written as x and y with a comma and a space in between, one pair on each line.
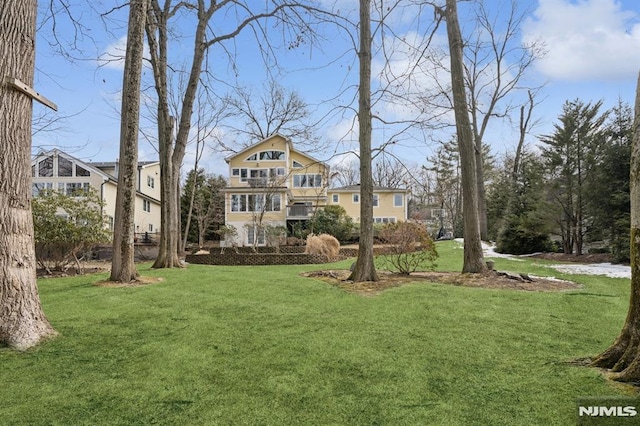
266, 140
89, 166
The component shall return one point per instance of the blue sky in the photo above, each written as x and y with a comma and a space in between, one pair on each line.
593, 53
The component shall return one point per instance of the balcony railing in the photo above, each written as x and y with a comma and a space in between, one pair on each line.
300, 211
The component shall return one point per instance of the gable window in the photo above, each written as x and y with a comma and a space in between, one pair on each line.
65, 167
45, 167
252, 157
376, 200
398, 200
335, 198
81, 171
146, 205
297, 165
355, 198
272, 155
307, 181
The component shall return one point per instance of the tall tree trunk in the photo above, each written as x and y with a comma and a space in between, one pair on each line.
473, 258
22, 321
365, 269
482, 199
123, 268
623, 357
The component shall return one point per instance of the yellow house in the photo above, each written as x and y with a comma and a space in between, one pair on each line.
273, 185
389, 204
61, 172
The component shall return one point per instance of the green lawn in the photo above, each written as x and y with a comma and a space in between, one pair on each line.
262, 345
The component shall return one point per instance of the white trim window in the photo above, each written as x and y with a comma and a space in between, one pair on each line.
307, 181
398, 200
151, 182
251, 235
255, 203
146, 206
355, 198
376, 200
384, 220
335, 198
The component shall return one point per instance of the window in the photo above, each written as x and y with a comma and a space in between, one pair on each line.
37, 188
243, 175
255, 203
65, 167
150, 227
146, 205
151, 182
384, 220
376, 200
307, 181
81, 171
355, 198
251, 235
398, 200
73, 188
253, 157
335, 198
45, 167
235, 172
297, 165
272, 155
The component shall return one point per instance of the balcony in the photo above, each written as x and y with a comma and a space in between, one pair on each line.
300, 211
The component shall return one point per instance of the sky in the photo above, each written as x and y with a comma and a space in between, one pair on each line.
592, 53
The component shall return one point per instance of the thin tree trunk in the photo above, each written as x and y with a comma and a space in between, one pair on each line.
473, 257
623, 357
22, 321
123, 267
364, 269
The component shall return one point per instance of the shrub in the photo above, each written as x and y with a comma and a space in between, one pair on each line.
409, 248
523, 235
332, 220
67, 226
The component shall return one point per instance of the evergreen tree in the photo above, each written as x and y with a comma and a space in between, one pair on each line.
609, 190
571, 154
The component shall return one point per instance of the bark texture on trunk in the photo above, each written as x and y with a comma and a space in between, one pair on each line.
623, 356
473, 257
22, 321
123, 267
365, 269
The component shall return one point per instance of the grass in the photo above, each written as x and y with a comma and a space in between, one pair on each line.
261, 345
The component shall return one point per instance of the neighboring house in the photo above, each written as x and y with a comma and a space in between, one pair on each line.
389, 204
61, 172
272, 184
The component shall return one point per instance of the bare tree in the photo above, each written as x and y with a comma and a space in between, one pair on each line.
123, 267
623, 356
275, 110
473, 257
172, 151
22, 321
495, 65
365, 269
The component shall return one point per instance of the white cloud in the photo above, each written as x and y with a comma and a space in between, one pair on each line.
113, 55
588, 39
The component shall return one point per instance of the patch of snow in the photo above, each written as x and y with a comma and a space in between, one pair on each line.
606, 269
